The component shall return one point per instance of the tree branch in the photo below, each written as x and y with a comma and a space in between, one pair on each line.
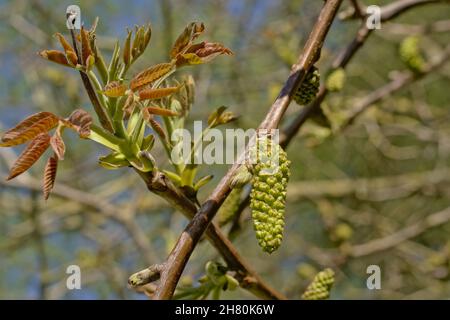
400, 81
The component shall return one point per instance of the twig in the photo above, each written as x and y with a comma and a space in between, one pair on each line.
401, 80
432, 221
180, 254
372, 189
101, 114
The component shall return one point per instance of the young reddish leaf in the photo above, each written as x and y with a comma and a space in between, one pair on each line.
49, 176
209, 50
160, 111
30, 155
202, 53
189, 34
138, 41
70, 52
55, 56
86, 50
128, 106
147, 37
148, 94
127, 48
81, 121
149, 75
58, 145
114, 89
148, 117
29, 128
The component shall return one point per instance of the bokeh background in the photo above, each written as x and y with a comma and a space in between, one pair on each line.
376, 184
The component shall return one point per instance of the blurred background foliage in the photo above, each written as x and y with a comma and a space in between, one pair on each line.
388, 171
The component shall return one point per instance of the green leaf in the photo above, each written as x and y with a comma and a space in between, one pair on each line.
114, 160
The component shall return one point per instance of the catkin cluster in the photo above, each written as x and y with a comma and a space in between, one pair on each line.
268, 195
320, 287
309, 88
410, 54
335, 80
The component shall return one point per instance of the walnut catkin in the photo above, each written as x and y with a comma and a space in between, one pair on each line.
410, 54
308, 89
320, 287
268, 195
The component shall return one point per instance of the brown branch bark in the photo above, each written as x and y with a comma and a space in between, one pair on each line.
185, 245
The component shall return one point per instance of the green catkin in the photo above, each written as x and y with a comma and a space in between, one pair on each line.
410, 54
307, 91
229, 208
320, 287
268, 195
335, 80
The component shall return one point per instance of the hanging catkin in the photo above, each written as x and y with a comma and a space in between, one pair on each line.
320, 287
268, 195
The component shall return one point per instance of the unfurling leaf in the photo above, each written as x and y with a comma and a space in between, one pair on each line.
29, 128
203, 181
159, 111
113, 161
86, 51
127, 49
174, 177
128, 107
138, 41
49, 176
201, 53
148, 142
220, 116
154, 124
114, 62
55, 56
70, 52
190, 33
147, 37
81, 121
30, 155
114, 89
58, 145
148, 94
149, 75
